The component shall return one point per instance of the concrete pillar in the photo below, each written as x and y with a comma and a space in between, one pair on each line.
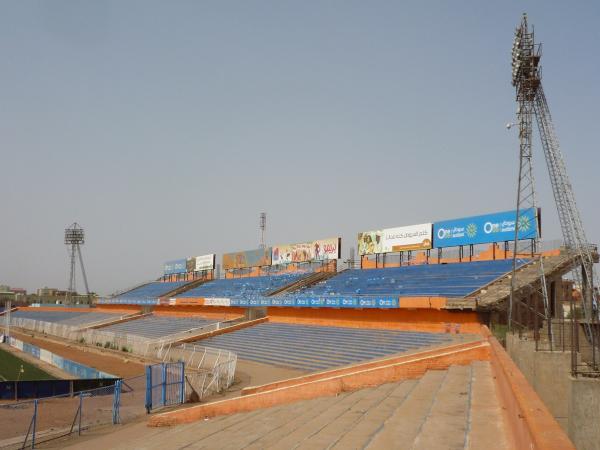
255, 313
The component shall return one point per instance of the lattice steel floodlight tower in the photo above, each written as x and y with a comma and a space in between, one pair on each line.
526, 78
74, 239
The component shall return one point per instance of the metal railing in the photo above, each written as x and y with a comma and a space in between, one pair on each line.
208, 370
27, 424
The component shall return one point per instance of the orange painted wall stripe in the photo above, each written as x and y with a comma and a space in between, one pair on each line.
394, 319
531, 423
118, 308
423, 302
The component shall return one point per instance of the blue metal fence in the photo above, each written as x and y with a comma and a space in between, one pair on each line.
165, 385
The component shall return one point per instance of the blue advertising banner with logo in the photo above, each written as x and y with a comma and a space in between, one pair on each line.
176, 266
488, 228
320, 302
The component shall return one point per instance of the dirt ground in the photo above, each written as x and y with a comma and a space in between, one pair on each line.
57, 415
102, 360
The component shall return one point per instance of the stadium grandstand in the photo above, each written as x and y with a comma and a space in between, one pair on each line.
409, 336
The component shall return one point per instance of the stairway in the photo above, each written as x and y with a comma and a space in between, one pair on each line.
184, 288
456, 408
309, 280
496, 293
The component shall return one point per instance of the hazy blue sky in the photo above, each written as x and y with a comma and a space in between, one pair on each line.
165, 128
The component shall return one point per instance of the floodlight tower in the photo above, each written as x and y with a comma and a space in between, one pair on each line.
263, 226
74, 238
531, 99
526, 78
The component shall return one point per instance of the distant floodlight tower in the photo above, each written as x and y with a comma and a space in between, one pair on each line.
74, 238
263, 227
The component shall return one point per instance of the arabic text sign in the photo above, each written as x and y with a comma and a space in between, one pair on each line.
412, 237
205, 262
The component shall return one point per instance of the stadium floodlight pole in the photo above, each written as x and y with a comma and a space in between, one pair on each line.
526, 78
75, 238
263, 226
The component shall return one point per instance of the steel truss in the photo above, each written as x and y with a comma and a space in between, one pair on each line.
532, 102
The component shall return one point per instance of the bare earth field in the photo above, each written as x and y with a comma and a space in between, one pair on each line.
97, 358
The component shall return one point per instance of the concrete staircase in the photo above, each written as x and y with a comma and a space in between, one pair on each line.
456, 408
184, 288
495, 294
309, 280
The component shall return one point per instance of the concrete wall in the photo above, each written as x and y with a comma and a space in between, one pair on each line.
547, 372
584, 407
574, 402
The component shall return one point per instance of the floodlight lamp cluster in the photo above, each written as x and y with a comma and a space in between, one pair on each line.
74, 235
517, 51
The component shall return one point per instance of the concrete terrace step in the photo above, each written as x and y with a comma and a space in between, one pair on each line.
372, 421
333, 431
486, 427
404, 425
456, 408
447, 421
314, 410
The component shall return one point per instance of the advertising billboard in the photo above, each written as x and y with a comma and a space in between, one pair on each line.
370, 242
205, 262
190, 264
175, 266
488, 228
249, 258
321, 250
412, 237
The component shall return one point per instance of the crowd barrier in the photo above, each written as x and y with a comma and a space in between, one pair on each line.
221, 366
26, 424
20, 390
208, 370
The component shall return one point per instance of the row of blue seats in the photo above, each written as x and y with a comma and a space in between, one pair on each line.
155, 327
450, 280
63, 317
313, 348
242, 287
152, 290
